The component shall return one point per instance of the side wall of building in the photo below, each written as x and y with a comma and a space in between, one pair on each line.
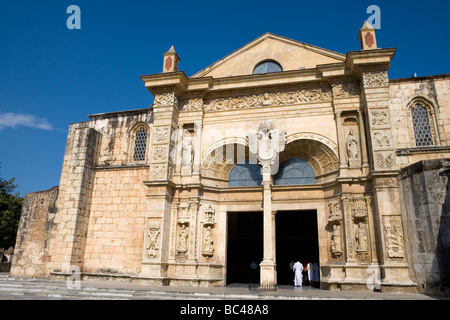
426, 198
36, 221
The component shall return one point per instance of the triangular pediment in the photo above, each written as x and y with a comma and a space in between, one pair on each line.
290, 54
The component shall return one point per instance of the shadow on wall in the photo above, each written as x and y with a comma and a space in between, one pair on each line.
442, 258
426, 194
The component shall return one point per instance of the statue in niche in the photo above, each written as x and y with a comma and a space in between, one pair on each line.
361, 238
352, 148
208, 243
182, 239
187, 151
336, 248
394, 242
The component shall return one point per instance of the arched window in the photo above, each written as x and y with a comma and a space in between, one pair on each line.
421, 123
267, 66
295, 171
140, 144
245, 175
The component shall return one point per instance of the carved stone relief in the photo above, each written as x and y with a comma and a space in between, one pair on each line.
382, 139
160, 153
375, 79
161, 135
153, 232
384, 160
359, 208
269, 99
158, 172
345, 90
167, 98
379, 118
194, 104
394, 239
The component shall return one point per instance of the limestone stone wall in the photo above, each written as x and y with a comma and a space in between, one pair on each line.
36, 220
426, 195
433, 91
115, 233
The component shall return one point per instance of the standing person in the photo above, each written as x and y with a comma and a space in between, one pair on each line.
305, 273
316, 275
298, 277
311, 274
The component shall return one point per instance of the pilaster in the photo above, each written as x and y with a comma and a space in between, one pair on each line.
67, 248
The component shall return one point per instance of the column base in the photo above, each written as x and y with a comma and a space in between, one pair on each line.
268, 275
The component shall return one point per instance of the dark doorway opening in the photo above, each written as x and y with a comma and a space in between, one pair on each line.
296, 238
244, 247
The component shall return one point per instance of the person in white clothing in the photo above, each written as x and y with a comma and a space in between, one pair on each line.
298, 277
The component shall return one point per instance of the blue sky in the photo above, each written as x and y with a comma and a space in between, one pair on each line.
51, 76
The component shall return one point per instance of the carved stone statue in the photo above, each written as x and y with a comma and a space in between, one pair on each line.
361, 238
182, 239
336, 248
352, 148
208, 244
267, 144
188, 152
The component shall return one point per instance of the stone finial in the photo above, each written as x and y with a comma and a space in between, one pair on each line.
367, 37
171, 60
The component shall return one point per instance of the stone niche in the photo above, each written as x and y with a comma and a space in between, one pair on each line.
426, 192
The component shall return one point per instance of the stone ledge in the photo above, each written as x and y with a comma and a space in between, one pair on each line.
431, 149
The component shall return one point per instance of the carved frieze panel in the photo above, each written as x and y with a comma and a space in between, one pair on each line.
375, 79
164, 99
269, 99
193, 104
346, 89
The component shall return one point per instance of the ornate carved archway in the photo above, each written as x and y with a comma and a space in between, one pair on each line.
320, 152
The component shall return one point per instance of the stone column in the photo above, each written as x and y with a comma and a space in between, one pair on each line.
268, 266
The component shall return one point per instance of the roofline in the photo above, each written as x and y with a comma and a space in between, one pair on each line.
438, 76
329, 53
113, 114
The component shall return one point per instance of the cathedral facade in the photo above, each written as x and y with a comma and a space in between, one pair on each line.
278, 152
